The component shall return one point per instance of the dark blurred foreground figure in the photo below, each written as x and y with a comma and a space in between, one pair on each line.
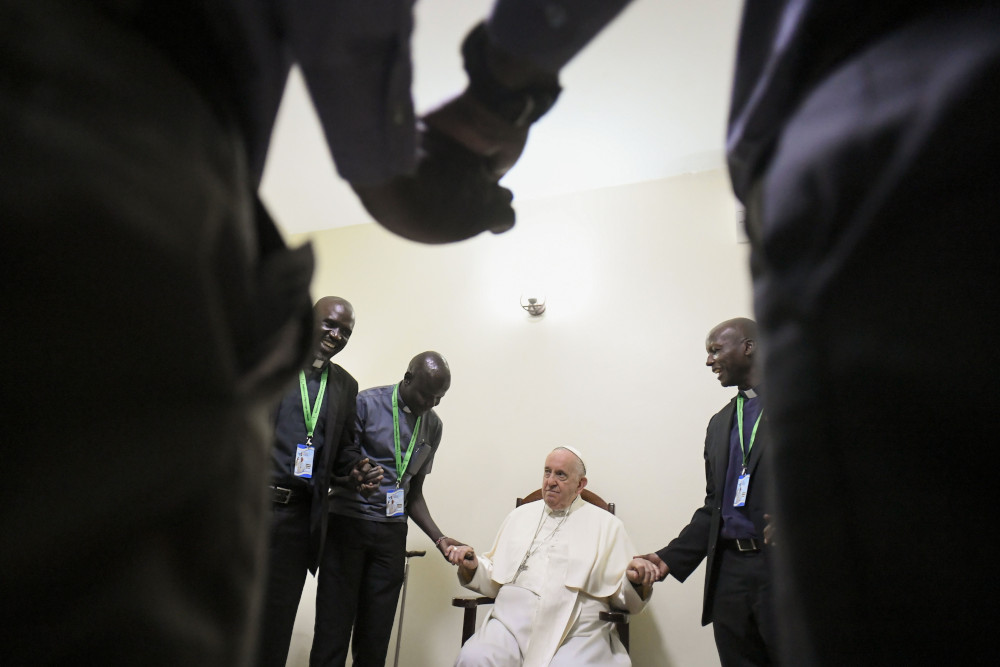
863, 138
151, 315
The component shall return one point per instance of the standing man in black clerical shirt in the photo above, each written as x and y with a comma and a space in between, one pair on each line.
313, 449
362, 567
729, 528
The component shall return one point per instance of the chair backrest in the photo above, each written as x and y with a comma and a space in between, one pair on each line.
586, 494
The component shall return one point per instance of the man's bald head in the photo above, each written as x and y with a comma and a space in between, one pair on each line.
430, 362
426, 381
328, 302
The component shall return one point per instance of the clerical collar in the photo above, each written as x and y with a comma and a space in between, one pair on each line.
560, 513
752, 392
401, 403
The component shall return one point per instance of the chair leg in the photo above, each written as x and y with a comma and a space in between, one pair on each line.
623, 634
468, 624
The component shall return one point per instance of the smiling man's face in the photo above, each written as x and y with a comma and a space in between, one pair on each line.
335, 321
729, 356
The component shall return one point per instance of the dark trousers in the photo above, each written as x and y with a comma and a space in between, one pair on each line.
876, 273
360, 576
287, 567
742, 610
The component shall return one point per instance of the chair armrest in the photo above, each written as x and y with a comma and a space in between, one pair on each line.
472, 603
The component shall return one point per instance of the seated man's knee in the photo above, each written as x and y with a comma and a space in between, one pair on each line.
473, 653
480, 653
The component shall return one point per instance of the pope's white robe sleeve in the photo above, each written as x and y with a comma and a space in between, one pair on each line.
627, 598
482, 579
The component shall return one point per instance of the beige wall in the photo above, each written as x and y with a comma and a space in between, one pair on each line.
635, 276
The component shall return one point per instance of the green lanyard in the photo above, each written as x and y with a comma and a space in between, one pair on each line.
311, 416
401, 462
739, 424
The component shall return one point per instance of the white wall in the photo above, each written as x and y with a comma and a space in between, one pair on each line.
635, 276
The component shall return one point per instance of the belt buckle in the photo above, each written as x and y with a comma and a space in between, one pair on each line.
278, 490
746, 544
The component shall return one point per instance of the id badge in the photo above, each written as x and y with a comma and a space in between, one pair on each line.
304, 461
742, 484
394, 503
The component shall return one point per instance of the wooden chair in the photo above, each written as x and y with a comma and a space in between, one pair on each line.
619, 618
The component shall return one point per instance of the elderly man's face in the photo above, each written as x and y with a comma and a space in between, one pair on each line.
562, 480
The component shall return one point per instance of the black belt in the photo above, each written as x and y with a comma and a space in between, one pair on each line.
743, 544
285, 496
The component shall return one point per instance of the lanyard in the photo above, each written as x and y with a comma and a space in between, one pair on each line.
311, 416
739, 424
401, 462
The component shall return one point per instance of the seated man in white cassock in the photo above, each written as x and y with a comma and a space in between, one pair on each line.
553, 568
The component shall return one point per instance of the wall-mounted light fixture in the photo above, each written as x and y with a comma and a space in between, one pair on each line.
533, 303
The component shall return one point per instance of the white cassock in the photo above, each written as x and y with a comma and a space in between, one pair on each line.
547, 613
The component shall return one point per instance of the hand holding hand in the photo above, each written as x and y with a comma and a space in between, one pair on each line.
466, 146
366, 477
468, 122
642, 573
662, 570
463, 556
449, 545
453, 195
505, 95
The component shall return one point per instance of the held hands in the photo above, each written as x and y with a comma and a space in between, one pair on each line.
642, 574
365, 477
448, 546
506, 94
463, 556
468, 122
452, 195
466, 146
661, 568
